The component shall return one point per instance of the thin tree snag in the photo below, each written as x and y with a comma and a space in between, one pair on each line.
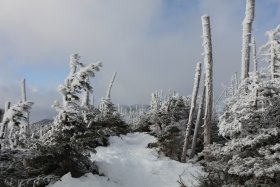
192, 110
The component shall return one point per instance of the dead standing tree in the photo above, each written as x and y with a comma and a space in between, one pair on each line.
192, 110
246, 38
208, 64
26, 128
197, 123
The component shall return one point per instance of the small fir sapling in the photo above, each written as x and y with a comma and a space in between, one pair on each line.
13, 120
106, 107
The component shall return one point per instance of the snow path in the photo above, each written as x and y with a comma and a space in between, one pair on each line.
128, 163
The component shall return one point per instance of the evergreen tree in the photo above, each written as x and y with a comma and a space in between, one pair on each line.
251, 153
271, 52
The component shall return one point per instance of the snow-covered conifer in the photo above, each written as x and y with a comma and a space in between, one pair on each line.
250, 123
106, 107
77, 82
14, 118
271, 52
72, 115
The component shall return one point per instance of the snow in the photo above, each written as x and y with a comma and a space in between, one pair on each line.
128, 163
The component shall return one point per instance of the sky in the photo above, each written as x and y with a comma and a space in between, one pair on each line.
152, 44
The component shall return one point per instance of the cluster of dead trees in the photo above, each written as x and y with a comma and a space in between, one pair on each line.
205, 110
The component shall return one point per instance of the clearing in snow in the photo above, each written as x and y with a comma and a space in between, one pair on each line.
128, 163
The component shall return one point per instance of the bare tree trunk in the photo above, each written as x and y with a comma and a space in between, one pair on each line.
255, 70
192, 110
236, 81
197, 123
247, 32
23, 94
208, 64
23, 90
254, 49
110, 86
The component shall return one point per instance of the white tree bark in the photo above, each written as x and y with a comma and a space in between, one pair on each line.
23, 90
254, 49
110, 86
197, 123
208, 64
272, 37
255, 61
24, 98
192, 110
246, 38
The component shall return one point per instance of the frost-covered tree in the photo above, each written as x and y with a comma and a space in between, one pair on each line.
156, 101
192, 110
77, 81
4, 127
13, 121
246, 37
197, 124
26, 127
250, 156
109, 117
208, 64
166, 120
72, 115
271, 52
106, 106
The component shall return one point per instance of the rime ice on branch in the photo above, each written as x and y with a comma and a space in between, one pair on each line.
78, 80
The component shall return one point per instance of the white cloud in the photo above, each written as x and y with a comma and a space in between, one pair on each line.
149, 50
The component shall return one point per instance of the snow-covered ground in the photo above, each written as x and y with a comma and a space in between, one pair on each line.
128, 163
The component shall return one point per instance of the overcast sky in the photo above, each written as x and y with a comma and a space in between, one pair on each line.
152, 44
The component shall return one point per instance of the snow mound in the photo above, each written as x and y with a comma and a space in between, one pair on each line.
128, 163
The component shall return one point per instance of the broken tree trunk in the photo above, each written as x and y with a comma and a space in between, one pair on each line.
110, 86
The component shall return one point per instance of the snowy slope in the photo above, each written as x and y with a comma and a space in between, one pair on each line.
128, 163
